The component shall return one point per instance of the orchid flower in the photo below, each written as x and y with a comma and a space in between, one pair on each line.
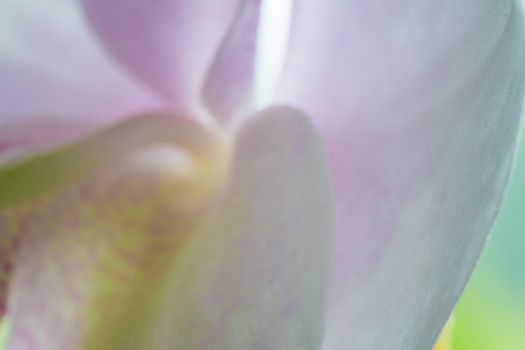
174, 176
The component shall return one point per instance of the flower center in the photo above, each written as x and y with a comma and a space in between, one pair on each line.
120, 202
199, 177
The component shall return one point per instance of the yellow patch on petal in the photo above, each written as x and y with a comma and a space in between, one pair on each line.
4, 330
121, 220
120, 260
445, 339
122, 230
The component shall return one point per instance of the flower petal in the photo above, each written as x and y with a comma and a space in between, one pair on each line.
110, 263
33, 180
169, 44
418, 103
376, 59
229, 87
55, 81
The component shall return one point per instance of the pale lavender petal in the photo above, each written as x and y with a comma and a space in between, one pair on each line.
169, 44
55, 80
366, 62
229, 86
419, 105
112, 263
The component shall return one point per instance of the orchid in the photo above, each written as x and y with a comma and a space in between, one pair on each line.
175, 175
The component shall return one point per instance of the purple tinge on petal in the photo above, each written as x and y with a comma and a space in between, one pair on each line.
9, 243
169, 44
419, 105
55, 81
229, 86
367, 62
110, 263
25, 138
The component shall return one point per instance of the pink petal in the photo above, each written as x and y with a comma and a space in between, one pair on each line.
169, 44
110, 263
419, 104
229, 87
55, 82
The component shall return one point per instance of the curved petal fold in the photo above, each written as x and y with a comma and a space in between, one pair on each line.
110, 263
229, 86
419, 105
55, 80
169, 44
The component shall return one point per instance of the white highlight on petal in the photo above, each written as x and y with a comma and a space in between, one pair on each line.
272, 45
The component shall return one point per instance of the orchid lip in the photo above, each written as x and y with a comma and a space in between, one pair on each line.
205, 148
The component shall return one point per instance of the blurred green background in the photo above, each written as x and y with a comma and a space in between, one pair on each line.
491, 313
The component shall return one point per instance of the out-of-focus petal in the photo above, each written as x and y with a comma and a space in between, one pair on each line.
169, 44
34, 179
55, 80
366, 62
110, 263
419, 105
229, 87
